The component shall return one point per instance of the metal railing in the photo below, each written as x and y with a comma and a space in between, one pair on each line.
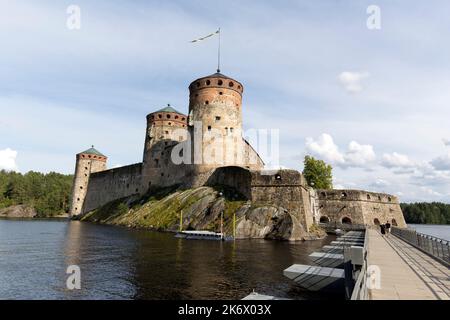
360, 289
436, 247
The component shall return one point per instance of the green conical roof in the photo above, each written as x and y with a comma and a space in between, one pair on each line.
93, 151
168, 109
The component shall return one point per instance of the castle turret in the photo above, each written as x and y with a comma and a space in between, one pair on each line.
165, 128
215, 112
87, 162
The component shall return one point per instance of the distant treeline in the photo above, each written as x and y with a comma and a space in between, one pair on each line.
426, 213
49, 194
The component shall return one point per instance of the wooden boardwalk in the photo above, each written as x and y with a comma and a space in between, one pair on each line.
406, 273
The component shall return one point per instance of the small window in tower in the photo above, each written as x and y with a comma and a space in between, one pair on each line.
81, 188
220, 82
220, 93
217, 118
168, 116
182, 119
231, 130
76, 209
231, 84
208, 82
85, 174
162, 174
170, 123
226, 130
196, 95
86, 168
176, 117
78, 199
209, 128
206, 102
239, 87
89, 157
159, 116
167, 132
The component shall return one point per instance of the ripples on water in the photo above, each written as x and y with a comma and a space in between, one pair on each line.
118, 263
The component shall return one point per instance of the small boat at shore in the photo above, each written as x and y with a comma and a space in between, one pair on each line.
202, 235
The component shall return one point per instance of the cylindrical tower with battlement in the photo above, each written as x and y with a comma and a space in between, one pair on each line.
87, 162
215, 121
165, 128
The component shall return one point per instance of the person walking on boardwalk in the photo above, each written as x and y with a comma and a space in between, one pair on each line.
382, 229
388, 228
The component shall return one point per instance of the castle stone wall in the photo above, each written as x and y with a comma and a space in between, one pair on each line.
113, 184
359, 207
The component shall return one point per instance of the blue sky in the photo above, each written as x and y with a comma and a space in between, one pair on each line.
374, 103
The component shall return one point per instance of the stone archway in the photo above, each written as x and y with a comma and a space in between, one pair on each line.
376, 221
324, 219
394, 222
346, 220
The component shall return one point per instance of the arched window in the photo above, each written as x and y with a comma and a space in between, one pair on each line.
220, 82
368, 197
346, 220
324, 219
231, 84
376, 222
168, 116
208, 82
389, 199
394, 222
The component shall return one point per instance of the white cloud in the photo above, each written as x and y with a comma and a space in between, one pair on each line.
325, 148
357, 155
378, 183
396, 160
352, 80
446, 142
441, 163
8, 160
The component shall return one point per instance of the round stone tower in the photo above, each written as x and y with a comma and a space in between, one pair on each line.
165, 128
215, 122
87, 162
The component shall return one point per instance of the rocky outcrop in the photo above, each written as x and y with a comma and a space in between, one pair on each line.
202, 209
19, 211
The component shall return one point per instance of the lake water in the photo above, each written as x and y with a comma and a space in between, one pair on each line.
440, 231
119, 263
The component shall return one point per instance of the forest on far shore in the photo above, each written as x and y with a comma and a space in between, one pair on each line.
426, 212
49, 194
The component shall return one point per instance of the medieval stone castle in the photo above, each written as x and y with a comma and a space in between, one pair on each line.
206, 147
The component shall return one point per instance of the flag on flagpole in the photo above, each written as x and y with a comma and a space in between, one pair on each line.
206, 37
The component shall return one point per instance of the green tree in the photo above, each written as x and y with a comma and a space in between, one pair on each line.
317, 173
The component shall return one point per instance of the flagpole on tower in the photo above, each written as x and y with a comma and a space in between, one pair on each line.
218, 56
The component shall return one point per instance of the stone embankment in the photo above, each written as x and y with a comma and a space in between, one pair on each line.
19, 211
202, 209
